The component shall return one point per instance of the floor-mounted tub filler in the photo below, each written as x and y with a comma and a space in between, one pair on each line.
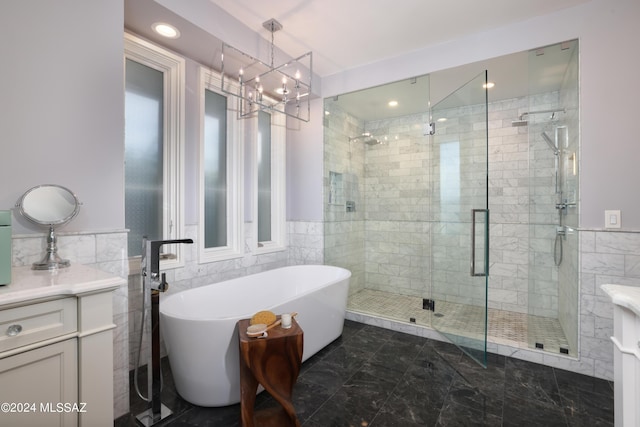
200, 333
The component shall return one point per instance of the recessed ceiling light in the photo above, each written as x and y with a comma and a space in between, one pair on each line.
393, 103
442, 119
488, 85
166, 30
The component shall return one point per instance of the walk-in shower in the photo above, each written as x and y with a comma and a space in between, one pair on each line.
408, 243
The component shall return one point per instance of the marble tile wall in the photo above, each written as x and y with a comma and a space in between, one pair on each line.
607, 257
344, 231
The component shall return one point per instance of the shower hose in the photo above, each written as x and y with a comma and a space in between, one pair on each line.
557, 250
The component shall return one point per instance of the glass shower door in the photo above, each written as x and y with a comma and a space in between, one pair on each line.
460, 217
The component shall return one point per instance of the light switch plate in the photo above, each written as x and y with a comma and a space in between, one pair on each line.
612, 219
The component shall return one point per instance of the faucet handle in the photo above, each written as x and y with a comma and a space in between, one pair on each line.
163, 285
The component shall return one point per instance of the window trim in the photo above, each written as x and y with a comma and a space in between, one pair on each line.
211, 80
278, 240
173, 69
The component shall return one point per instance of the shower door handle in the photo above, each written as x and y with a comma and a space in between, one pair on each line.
485, 271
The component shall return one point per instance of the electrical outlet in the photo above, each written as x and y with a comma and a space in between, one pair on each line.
612, 219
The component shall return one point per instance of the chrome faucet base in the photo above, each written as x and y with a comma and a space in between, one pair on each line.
153, 283
146, 418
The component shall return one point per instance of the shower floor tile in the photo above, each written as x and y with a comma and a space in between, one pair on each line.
504, 327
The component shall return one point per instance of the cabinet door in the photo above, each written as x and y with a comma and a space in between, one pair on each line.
44, 383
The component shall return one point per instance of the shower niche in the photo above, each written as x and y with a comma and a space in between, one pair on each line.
401, 243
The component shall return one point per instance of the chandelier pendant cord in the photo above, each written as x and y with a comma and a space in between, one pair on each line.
272, 42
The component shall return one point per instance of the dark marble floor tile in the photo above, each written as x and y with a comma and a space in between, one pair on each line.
490, 380
420, 393
308, 397
568, 381
524, 411
532, 382
369, 339
488, 400
407, 338
350, 328
396, 355
446, 350
326, 375
584, 408
336, 368
455, 415
208, 417
356, 403
380, 378
385, 419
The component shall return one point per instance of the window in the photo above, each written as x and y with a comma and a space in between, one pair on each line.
154, 127
270, 181
221, 142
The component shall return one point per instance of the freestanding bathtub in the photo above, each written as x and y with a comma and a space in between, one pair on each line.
200, 332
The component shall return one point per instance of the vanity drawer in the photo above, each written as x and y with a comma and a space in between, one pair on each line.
29, 324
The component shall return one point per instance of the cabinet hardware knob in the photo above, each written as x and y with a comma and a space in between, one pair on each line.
14, 330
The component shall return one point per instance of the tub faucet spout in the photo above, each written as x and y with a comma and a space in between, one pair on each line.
150, 262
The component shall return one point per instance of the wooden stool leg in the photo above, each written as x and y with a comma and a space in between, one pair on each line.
274, 362
277, 367
248, 389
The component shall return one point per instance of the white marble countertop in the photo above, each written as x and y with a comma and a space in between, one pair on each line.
31, 285
626, 296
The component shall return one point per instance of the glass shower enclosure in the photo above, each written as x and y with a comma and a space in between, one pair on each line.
406, 208
408, 189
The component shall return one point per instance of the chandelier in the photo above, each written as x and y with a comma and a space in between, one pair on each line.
284, 88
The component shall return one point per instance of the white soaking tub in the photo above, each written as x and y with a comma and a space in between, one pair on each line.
200, 332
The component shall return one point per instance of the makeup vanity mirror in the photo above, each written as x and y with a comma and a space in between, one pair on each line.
49, 205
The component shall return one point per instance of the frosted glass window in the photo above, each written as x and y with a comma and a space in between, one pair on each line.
215, 169
264, 176
143, 154
220, 191
154, 140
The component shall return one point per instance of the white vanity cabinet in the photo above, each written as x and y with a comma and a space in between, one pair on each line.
56, 348
626, 353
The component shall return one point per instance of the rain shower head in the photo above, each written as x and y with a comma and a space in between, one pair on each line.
523, 120
367, 138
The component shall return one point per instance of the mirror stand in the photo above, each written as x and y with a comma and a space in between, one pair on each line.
49, 205
51, 260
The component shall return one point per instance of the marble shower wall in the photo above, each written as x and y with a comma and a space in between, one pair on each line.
397, 226
344, 181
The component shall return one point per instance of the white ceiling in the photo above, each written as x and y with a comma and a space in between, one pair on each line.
344, 34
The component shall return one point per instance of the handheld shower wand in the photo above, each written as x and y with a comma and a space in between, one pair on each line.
152, 284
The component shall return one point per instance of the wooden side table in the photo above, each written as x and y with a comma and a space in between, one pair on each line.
274, 362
